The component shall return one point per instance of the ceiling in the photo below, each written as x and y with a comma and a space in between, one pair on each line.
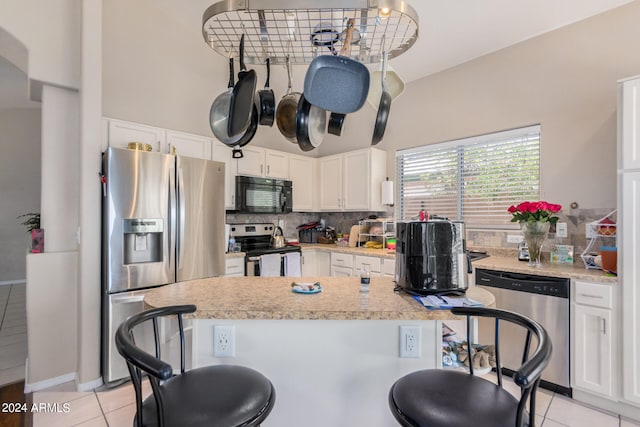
450, 32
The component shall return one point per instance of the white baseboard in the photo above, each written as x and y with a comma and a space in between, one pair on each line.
88, 386
13, 282
50, 382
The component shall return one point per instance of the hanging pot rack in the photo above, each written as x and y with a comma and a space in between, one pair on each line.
274, 29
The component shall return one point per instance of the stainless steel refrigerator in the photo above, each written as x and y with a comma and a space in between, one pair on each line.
162, 222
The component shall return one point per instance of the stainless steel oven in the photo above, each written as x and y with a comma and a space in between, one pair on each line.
255, 241
263, 195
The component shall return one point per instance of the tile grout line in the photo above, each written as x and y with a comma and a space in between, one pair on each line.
4, 309
104, 416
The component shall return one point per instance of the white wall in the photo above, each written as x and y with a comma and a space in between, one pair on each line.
19, 186
49, 30
565, 80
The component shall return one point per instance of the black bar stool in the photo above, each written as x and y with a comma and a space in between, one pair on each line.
221, 395
450, 398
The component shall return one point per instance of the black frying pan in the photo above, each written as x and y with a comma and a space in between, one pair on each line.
311, 125
267, 101
383, 107
337, 83
242, 98
336, 122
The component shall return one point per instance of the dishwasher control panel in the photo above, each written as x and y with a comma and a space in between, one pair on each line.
530, 283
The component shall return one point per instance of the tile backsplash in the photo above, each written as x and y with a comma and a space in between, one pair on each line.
342, 221
576, 220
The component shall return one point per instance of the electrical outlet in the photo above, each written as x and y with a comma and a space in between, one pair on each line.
561, 229
514, 238
224, 344
281, 224
410, 341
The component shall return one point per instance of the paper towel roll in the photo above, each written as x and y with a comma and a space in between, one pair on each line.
387, 192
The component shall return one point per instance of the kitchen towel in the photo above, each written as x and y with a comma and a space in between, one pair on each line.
270, 265
292, 264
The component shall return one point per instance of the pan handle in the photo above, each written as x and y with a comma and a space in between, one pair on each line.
242, 66
266, 85
231, 73
288, 76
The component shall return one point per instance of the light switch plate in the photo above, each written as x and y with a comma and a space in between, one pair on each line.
561, 229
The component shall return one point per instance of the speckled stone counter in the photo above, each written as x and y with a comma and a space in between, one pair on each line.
235, 254
272, 298
575, 271
381, 253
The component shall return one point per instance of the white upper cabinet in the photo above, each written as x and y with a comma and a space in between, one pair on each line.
263, 162
121, 133
331, 183
352, 181
302, 172
629, 124
186, 144
222, 153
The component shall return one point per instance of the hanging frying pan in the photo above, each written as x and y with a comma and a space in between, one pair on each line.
242, 98
267, 101
337, 83
219, 113
383, 107
251, 129
287, 109
336, 122
311, 125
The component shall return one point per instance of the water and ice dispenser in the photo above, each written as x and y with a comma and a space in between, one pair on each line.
143, 240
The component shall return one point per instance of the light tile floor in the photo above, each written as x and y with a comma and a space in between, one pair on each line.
116, 408
13, 333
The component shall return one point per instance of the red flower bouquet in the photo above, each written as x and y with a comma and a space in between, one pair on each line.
534, 211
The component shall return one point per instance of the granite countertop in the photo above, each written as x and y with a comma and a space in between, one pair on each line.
235, 254
381, 253
272, 298
574, 271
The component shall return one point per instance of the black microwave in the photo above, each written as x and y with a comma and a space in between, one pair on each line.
263, 195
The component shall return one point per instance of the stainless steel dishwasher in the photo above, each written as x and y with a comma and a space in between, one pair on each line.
541, 298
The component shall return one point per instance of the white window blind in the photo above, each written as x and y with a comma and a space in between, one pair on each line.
473, 179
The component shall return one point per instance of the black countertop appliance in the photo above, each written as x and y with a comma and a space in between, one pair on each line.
431, 257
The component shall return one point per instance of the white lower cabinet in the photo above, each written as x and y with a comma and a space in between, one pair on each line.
341, 265
234, 267
374, 264
389, 267
594, 331
316, 263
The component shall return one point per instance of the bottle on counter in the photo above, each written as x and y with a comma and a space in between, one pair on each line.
365, 278
232, 243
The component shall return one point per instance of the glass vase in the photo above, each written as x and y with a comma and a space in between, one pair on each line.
535, 233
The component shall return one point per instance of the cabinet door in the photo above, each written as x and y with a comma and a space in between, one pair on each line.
323, 263
222, 153
357, 180
184, 144
374, 264
252, 163
301, 173
341, 271
309, 265
277, 164
593, 350
389, 267
234, 267
121, 133
629, 134
331, 183
629, 253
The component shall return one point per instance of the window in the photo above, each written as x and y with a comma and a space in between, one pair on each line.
473, 179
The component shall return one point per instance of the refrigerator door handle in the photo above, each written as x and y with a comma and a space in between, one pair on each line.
172, 220
181, 213
128, 299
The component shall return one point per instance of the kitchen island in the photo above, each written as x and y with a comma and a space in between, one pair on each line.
332, 356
